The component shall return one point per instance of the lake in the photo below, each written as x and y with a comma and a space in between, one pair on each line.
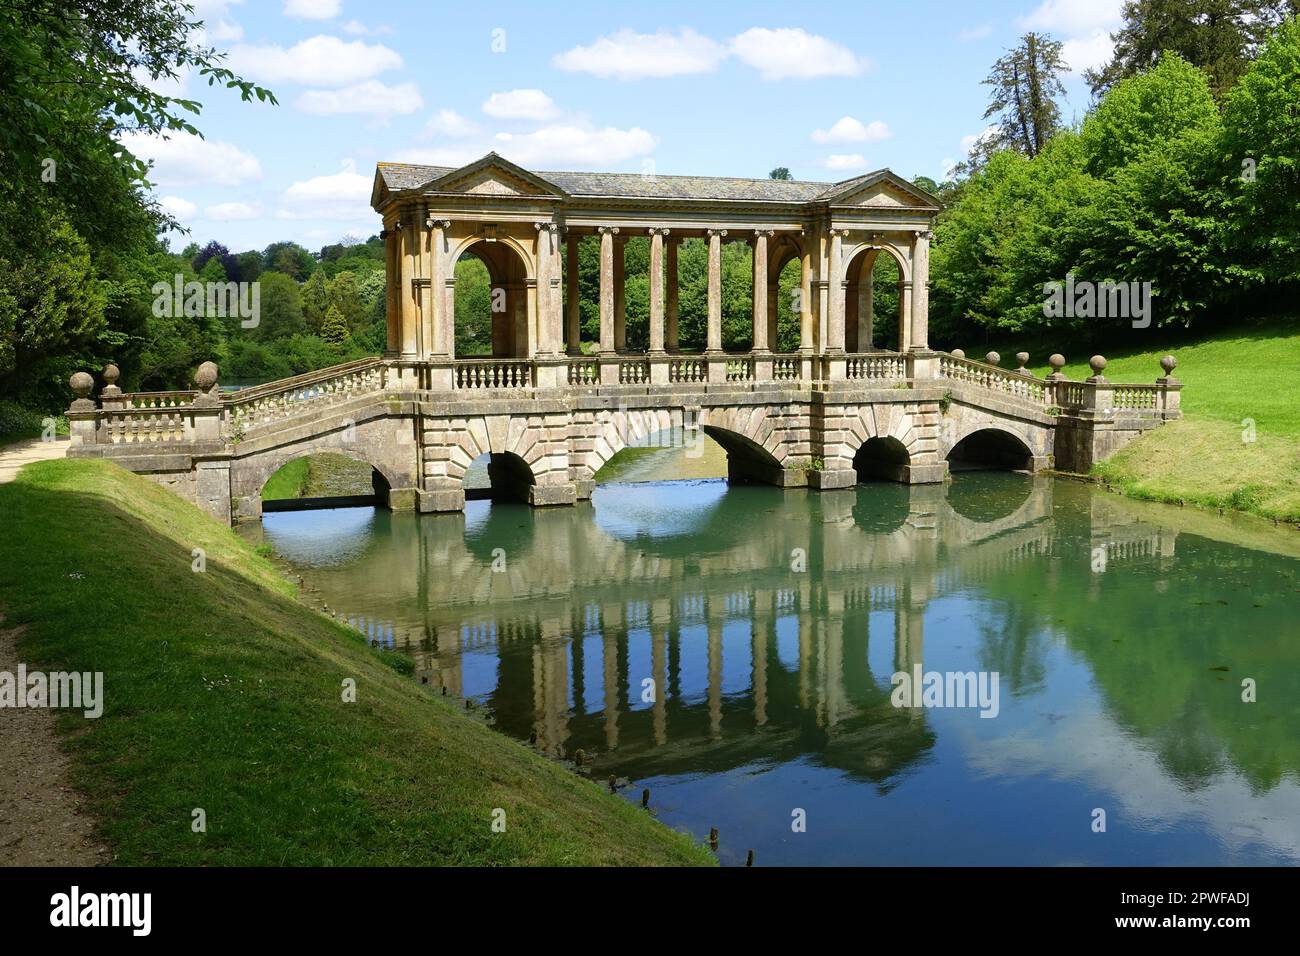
734, 650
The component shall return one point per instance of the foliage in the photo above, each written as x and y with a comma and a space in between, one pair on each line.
1026, 82
1218, 36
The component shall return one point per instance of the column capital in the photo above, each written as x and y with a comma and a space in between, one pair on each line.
607, 230
765, 233
659, 230
546, 225
434, 223
717, 232
926, 234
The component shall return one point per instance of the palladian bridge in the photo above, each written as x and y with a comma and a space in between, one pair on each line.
550, 410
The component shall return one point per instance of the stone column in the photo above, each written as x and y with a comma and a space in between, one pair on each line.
620, 296
671, 280
392, 285
866, 306
657, 289
539, 305
607, 234
424, 269
449, 303
806, 343
410, 313
714, 343
571, 277
904, 310
921, 292
835, 316
442, 324
760, 289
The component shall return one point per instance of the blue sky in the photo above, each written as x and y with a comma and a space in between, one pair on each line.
691, 88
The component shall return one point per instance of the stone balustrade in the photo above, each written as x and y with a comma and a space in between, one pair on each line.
205, 415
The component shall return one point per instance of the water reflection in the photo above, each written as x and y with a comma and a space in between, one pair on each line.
732, 649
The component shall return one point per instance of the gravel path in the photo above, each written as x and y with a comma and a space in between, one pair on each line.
13, 457
42, 820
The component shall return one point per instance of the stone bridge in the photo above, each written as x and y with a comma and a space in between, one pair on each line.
550, 410
823, 423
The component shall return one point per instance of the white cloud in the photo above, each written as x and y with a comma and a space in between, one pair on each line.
343, 195
575, 145
185, 160
231, 211
1088, 53
845, 161
1073, 17
216, 23
975, 33
312, 9
628, 55
850, 130
317, 61
520, 105
177, 207
372, 98
987, 133
1083, 26
794, 53
359, 29
450, 123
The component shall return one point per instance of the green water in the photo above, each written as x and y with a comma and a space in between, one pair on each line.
732, 649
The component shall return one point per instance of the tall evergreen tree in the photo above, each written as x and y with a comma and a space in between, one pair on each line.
1026, 82
1219, 36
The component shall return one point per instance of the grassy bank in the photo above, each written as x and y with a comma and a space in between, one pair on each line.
223, 692
1238, 446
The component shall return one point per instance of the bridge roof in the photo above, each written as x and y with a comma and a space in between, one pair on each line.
404, 177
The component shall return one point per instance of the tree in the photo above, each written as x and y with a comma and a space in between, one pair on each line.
289, 258
345, 296
1220, 37
1262, 150
780, 173
77, 78
281, 309
315, 300
214, 249
1026, 81
334, 329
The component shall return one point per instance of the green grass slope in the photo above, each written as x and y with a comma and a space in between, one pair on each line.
223, 692
1238, 445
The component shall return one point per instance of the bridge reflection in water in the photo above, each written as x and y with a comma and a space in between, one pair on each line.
770, 622
743, 624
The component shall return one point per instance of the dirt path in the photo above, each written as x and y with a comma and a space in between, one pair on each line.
42, 822
13, 457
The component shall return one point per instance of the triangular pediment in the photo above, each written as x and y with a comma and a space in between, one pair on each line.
493, 175
881, 190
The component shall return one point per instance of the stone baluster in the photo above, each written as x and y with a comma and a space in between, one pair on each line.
1170, 389
83, 416
1057, 361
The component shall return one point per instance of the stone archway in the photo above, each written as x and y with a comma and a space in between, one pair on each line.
510, 283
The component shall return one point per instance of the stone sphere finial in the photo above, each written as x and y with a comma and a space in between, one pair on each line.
206, 376
1169, 363
111, 374
958, 353
1057, 361
81, 384
1097, 363
1022, 358
993, 358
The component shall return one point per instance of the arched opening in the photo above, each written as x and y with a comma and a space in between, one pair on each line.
324, 480
491, 302
881, 459
665, 454
748, 462
873, 298
498, 476
990, 449
783, 297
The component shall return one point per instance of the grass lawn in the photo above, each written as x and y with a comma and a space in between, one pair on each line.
288, 482
1231, 380
223, 692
